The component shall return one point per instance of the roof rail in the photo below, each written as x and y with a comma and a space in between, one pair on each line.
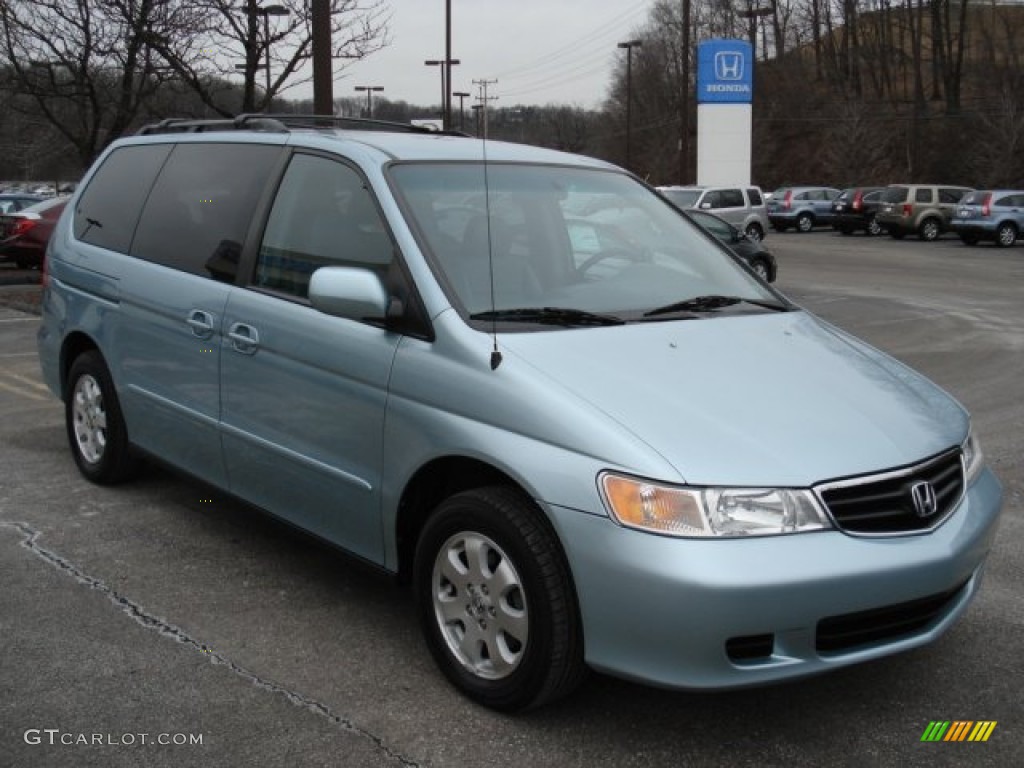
282, 122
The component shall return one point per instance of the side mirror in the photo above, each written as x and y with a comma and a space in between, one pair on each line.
350, 292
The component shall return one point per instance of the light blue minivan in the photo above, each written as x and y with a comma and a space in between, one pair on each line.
392, 339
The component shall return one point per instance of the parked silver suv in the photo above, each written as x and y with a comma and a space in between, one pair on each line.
743, 207
922, 208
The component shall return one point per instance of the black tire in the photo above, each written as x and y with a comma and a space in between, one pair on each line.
969, 239
873, 228
755, 232
95, 426
804, 222
540, 648
1006, 234
929, 229
760, 266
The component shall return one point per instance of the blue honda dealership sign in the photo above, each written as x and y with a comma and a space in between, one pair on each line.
725, 72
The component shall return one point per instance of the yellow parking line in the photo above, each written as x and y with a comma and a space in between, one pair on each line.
20, 391
29, 382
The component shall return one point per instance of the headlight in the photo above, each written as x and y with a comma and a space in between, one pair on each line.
701, 512
974, 459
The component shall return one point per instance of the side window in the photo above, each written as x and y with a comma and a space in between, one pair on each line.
731, 198
323, 216
755, 197
951, 195
873, 197
712, 200
199, 210
108, 209
802, 196
923, 195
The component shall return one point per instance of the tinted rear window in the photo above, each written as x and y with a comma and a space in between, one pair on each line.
755, 196
200, 209
108, 210
895, 194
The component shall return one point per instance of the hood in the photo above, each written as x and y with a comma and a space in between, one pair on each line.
768, 399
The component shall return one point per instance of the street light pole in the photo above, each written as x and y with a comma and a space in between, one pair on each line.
266, 11
369, 93
446, 66
462, 113
629, 46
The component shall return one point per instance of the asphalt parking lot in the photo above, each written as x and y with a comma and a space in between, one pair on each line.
166, 609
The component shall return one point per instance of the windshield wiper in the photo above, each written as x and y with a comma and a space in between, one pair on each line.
548, 315
710, 303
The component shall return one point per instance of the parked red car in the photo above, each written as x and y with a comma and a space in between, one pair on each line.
25, 233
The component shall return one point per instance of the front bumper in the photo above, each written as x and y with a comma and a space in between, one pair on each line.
661, 610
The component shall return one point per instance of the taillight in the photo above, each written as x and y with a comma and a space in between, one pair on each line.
907, 209
856, 201
787, 201
986, 205
21, 227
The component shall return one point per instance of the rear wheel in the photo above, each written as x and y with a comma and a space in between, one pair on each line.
1006, 234
929, 230
96, 429
804, 222
755, 232
496, 601
873, 228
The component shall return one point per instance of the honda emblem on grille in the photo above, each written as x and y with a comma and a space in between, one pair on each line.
923, 496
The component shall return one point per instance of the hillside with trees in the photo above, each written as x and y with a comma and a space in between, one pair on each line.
846, 91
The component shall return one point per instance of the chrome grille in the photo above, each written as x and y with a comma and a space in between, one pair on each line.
885, 503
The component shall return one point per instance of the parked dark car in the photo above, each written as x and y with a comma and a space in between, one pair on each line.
751, 250
990, 214
16, 201
801, 207
855, 210
24, 234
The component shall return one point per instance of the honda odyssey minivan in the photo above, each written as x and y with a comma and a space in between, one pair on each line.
391, 339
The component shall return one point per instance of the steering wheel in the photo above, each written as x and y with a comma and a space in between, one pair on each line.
627, 254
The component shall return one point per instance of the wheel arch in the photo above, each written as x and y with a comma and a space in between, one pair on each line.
73, 346
429, 486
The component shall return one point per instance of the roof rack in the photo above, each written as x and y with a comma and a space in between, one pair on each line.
282, 123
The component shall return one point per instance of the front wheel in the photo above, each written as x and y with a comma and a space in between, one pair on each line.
96, 429
874, 228
804, 222
761, 268
755, 232
496, 601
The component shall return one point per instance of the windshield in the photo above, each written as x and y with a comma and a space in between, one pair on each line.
571, 239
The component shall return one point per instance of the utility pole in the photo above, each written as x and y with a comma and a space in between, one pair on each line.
323, 79
446, 106
629, 46
445, 65
483, 98
684, 100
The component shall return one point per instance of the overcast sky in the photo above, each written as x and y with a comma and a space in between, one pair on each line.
540, 51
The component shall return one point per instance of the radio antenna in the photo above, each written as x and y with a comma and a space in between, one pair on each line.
495, 352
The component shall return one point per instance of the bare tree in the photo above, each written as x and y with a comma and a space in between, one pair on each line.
245, 35
85, 66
